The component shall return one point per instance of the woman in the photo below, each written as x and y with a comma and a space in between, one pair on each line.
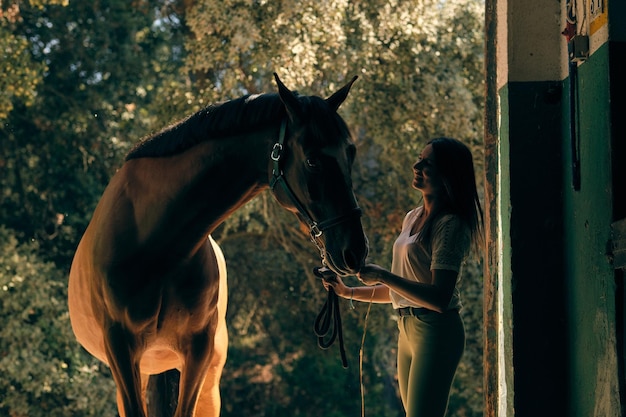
422, 285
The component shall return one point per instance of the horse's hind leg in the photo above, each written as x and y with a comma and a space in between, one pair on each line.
123, 360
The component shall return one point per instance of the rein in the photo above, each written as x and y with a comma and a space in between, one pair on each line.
316, 229
329, 316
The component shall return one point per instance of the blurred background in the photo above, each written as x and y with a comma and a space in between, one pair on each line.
84, 81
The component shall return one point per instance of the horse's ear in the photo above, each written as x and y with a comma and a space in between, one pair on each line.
289, 99
338, 97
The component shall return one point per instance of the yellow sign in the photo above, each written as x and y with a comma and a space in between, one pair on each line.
599, 15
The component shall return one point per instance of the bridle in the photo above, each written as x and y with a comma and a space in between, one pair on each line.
316, 229
328, 320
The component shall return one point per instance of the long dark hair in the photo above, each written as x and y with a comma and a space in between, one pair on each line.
455, 165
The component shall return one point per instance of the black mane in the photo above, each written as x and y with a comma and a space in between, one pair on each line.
218, 120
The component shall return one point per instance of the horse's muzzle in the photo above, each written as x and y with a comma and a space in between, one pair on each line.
350, 258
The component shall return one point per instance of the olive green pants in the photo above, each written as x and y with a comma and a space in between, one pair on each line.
430, 347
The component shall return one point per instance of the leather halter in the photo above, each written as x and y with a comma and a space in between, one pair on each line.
316, 229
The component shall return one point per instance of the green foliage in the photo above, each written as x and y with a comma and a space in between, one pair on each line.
105, 65
21, 75
44, 372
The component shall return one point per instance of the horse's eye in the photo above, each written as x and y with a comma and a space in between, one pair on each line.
313, 164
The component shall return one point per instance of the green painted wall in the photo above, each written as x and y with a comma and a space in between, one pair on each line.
590, 288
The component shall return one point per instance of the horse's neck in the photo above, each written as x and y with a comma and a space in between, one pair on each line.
228, 174
196, 190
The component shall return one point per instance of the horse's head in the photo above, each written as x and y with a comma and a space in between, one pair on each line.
312, 166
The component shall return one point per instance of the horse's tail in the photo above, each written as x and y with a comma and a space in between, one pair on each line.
162, 393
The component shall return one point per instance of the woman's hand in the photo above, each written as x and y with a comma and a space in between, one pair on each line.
371, 274
337, 285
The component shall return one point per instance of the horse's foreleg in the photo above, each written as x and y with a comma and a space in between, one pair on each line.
197, 361
123, 359
209, 401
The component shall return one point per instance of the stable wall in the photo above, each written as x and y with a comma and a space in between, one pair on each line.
553, 300
590, 288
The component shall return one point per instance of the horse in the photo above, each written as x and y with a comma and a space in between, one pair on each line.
147, 285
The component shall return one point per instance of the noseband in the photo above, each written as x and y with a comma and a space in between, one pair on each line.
316, 229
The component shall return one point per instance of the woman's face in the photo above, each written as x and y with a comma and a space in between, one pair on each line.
426, 178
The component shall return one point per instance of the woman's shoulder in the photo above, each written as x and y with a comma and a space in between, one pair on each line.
450, 231
451, 221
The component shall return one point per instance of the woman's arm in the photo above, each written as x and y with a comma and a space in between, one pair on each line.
375, 293
435, 296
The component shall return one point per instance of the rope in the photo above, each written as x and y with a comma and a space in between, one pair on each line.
328, 321
369, 307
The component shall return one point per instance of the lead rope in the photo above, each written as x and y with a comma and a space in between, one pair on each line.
362, 386
323, 323
329, 318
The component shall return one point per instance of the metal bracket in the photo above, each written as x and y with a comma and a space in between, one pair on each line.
578, 48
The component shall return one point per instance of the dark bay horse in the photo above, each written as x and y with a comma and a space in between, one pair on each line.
147, 287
